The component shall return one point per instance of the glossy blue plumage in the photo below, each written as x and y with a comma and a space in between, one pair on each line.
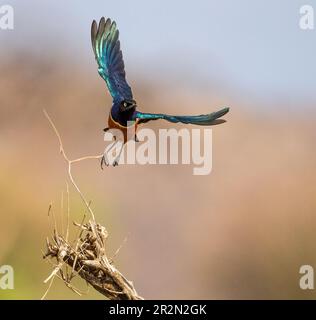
108, 54
202, 120
106, 47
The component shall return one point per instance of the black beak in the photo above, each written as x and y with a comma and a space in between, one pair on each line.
129, 107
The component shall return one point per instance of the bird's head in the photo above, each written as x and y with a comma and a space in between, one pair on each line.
127, 105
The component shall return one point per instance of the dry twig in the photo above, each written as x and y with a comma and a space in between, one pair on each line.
86, 255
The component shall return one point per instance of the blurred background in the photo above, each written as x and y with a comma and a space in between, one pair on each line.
241, 232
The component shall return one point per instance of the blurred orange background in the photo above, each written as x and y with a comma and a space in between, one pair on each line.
241, 232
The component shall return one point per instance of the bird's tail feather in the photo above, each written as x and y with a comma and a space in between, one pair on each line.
202, 120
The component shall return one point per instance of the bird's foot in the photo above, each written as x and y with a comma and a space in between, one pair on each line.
116, 161
104, 161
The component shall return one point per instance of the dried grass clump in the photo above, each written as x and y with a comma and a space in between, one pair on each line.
87, 258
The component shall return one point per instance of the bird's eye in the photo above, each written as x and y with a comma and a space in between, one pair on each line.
125, 104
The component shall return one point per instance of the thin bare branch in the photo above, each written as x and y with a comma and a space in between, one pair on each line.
86, 255
68, 212
49, 286
62, 151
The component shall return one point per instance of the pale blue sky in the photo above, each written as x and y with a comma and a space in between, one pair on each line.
255, 48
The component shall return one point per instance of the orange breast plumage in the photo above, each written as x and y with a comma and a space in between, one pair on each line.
128, 132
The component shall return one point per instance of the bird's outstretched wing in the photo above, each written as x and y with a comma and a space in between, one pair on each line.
108, 54
201, 120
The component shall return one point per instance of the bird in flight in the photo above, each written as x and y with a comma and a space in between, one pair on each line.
124, 113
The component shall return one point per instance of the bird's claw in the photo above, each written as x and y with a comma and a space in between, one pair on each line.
115, 163
104, 161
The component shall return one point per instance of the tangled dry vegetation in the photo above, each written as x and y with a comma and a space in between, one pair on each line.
85, 256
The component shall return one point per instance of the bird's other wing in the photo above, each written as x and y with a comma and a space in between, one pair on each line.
106, 47
202, 120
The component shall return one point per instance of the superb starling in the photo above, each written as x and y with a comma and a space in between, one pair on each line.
124, 113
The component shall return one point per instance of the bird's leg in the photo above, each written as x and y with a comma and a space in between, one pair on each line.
117, 158
104, 159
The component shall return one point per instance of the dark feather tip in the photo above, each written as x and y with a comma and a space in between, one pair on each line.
226, 110
102, 21
218, 121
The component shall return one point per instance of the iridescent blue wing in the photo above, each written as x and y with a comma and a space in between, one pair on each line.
108, 54
201, 120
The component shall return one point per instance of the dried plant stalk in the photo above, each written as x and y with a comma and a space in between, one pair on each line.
87, 258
